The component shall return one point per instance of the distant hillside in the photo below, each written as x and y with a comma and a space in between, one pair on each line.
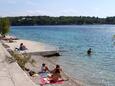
62, 20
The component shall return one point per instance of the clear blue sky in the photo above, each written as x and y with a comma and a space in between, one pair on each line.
100, 8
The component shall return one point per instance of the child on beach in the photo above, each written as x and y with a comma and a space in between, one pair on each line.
44, 68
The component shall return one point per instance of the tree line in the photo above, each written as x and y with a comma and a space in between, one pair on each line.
4, 26
62, 20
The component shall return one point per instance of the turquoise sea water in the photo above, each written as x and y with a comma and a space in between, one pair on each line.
73, 42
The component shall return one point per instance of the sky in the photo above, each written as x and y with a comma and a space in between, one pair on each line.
97, 8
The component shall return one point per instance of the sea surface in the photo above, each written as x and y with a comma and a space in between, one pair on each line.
73, 42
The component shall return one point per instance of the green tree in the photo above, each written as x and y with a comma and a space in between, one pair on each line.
4, 26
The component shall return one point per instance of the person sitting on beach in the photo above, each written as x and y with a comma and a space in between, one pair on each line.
89, 51
44, 68
55, 74
22, 47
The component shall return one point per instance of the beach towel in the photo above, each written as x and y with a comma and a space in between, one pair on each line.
44, 81
43, 74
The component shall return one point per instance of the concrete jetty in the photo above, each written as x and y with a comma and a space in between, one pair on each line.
10, 73
33, 47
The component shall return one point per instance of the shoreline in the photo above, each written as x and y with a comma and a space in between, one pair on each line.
40, 59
